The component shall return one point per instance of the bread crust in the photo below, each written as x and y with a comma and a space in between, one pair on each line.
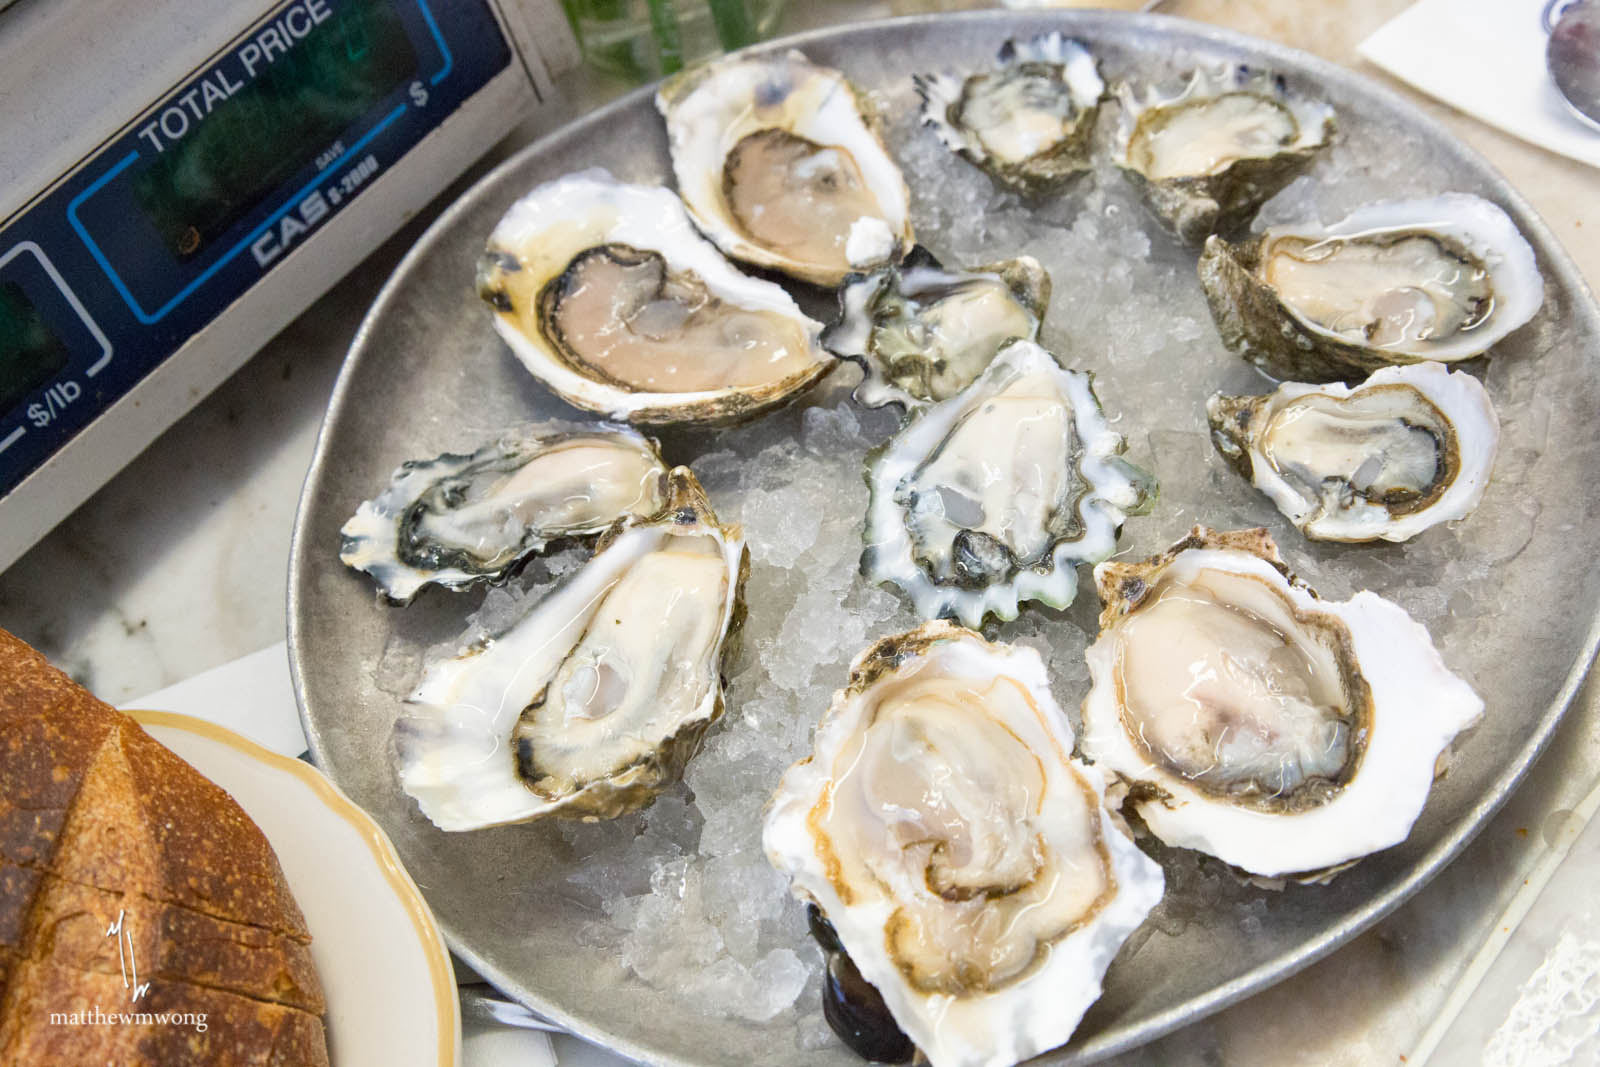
238, 1031
103, 827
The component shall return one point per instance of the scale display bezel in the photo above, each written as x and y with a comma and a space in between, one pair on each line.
96, 269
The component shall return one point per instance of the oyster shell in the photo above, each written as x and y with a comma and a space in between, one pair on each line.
1209, 155
1281, 733
459, 520
996, 495
780, 163
1395, 282
1029, 122
964, 859
922, 333
594, 701
609, 297
1408, 448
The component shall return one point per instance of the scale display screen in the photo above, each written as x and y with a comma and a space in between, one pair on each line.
30, 351
276, 124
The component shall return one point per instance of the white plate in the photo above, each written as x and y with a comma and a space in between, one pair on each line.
390, 988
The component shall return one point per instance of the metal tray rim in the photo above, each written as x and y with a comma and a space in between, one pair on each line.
1116, 1040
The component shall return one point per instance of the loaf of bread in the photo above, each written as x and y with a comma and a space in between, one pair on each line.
115, 856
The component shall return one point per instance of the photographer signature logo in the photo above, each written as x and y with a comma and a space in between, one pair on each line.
129, 964
126, 959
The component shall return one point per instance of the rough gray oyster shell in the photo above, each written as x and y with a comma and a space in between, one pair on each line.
1395, 282
1030, 122
922, 332
461, 520
593, 702
1209, 155
996, 495
1407, 449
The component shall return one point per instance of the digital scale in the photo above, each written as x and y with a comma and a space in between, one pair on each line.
179, 180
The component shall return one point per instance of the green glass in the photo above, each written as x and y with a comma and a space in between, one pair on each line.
30, 354
645, 39
274, 125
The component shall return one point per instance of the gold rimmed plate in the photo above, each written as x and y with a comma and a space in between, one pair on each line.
390, 989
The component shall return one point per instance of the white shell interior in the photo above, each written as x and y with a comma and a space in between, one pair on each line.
962, 323
455, 750
1313, 118
1004, 482
579, 482
1031, 1013
1480, 227
1418, 706
1023, 133
1458, 396
737, 97
557, 221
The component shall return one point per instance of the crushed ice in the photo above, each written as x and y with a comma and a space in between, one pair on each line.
682, 891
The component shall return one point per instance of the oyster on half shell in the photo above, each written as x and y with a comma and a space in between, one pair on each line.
780, 162
1408, 448
1209, 155
922, 332
609, 297
594, 701
963, 858
1395, 282
1030, 121
459, 520
996, 495
1249, 719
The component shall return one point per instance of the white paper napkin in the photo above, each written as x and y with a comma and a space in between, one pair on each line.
254, 696
251, 696
501, 1046
1486, 58
1532, 995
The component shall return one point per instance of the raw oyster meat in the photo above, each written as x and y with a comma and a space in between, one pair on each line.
996, 495
780, 162
1408, 448
1029, 122
592, 703
1281, 733
609, 297
922, 333
1395, 282
963, 857
1209, 155
463, 519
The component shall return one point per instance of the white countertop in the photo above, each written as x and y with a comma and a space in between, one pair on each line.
178, 565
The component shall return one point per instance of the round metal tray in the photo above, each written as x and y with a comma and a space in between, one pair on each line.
426, 371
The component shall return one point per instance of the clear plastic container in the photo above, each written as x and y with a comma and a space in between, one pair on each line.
645, 39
